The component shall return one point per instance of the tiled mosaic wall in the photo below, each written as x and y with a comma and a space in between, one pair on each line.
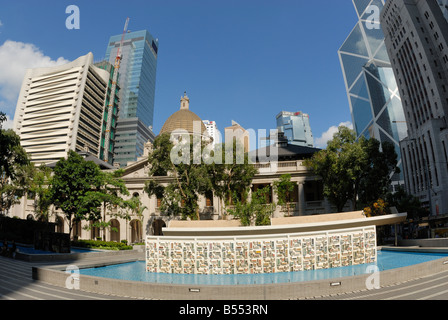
263, 255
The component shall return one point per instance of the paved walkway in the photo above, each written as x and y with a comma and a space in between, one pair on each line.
433, 287
16, 283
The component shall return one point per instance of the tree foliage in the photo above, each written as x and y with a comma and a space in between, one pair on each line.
107, 193
40, 188
189, 179
14, 168
354, 169
77, 189
404, 202
255, 210
284, 188
231, 179
377, 175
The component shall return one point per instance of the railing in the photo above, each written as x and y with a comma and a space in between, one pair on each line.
273, 167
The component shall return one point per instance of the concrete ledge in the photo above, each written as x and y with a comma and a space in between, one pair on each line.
204, 224
432, 243
70, 256
318, 218
417, 249
287, 228
281, 291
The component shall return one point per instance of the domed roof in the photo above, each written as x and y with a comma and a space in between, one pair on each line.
183, 119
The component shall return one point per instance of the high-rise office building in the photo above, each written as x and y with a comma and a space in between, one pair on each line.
296, 127
444, 7
137, 94
213, 132
60, 109
114, 115
374, 99
416, 37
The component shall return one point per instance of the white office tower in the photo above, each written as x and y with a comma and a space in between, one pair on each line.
212, 130
60, 109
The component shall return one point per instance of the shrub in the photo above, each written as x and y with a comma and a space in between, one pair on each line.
99, 244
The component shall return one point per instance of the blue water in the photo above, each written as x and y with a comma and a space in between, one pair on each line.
135, 271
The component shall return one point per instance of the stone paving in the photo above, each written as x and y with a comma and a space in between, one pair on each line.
433, 287
16, 283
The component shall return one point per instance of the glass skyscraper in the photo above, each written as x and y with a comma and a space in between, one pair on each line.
296, 127
137, 94
374, 98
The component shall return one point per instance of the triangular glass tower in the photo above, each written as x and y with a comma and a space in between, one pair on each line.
373, 95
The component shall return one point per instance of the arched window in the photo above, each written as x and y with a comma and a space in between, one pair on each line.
136, 231
114, 230
157, 226
94, 231
76, 229
59, 224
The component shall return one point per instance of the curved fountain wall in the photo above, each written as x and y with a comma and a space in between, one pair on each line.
267, 253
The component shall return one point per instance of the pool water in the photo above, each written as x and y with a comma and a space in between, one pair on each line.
135, 271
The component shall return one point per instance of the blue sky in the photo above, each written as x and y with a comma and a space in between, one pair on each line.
243, 60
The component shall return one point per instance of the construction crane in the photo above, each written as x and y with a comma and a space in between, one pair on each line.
110, 107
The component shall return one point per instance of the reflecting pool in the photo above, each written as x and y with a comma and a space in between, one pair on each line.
135, 271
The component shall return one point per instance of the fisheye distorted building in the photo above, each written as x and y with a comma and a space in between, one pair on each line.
137, 80
184, 121
62, 108
416, 37
374, 98
306, 199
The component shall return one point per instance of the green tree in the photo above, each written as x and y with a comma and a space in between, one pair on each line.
189, 178
232, 178
71, 189
377, 176
107, 193
284, 188
254, 211
340, 167
14, 168
353, 169
404, 202
40, 188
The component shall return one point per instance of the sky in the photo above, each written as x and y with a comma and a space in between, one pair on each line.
241, 60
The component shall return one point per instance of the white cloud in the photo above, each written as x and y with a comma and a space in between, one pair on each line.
328, 135
1, 24
15, 59
8, 124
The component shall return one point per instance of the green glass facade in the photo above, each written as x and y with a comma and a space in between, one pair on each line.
115, 110
137, 94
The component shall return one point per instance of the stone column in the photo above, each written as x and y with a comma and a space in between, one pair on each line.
249, 194
277, 212
301, 197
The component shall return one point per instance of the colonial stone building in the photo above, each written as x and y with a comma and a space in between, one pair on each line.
307, 197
